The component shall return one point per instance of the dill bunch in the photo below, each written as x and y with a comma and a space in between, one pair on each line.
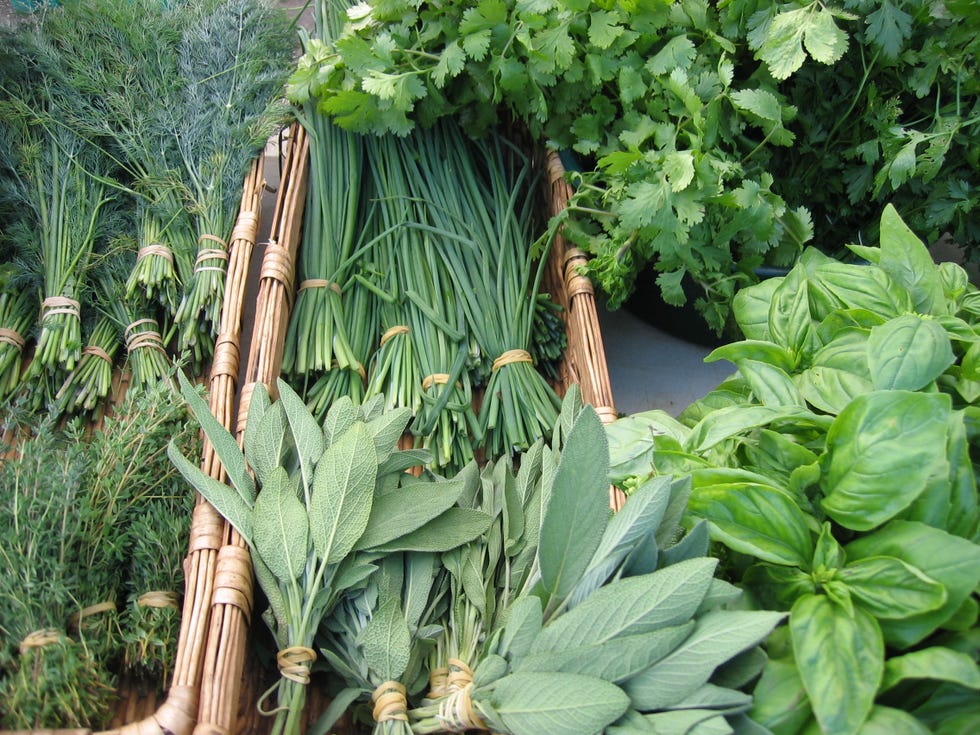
235, 56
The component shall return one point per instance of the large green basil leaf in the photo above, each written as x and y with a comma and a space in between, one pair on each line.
767, 352
836, 285
828, 554
789, 313
555, 703
750, 307
889, 721
755, 519
771, 386
908, 353
777, 455
280, 527
777, 587
726, 423
841, 659
847, 350
881, 452
779, 701
952, 561
832, 389
718, 636
633, 442
906, 259
343, 493
963, 517
578, 508
888, 588
936, 663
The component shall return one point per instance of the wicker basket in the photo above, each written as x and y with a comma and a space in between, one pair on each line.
230, 688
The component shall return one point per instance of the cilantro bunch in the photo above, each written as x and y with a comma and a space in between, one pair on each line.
702, 127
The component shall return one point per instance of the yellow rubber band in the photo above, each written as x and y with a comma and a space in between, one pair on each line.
435, 379
512, 356
294, 663
390, 702
393, 332
320, 283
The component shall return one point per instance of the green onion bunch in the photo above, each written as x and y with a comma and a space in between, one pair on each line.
481, 204
317, 338
235, 56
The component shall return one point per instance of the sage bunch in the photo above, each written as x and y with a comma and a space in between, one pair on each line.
615, 621
325, 503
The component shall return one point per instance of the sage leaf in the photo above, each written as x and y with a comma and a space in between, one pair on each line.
265, 440
222, 441
952, 561
936, 663
889, 588
281, 528
340, 417
614, 660
841, 659
682, 722
640, 516
630, 606
718, 636
881, 452
450, 529
387, 641
577, 511
524, 619
343, 492
404, 459
232, 506
387, 430
908, 353
307, 434
557, 704
406, 509
491, 668
258, 404
693, 544
717, 698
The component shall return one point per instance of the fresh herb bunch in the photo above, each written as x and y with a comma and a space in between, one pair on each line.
615, 622
18, 312
705, 129
325, 502
235, 56
73, 496
838, 468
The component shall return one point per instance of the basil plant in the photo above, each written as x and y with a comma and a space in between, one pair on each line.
837, 473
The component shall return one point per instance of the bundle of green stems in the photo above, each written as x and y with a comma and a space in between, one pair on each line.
91, 381
18, 310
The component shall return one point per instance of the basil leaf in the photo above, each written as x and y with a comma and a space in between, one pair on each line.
936, 663
907, 261
387, 641
755, 519
881, 452
777, 587
281, 527
343, 492
789, 313
726, 423
767, 352
751, 308
630, 606
718, 636
577, 511
835, 285
555, 703
889, 588
952, 561
779, 701
888, 721
908, 353
840, 659
771, 386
